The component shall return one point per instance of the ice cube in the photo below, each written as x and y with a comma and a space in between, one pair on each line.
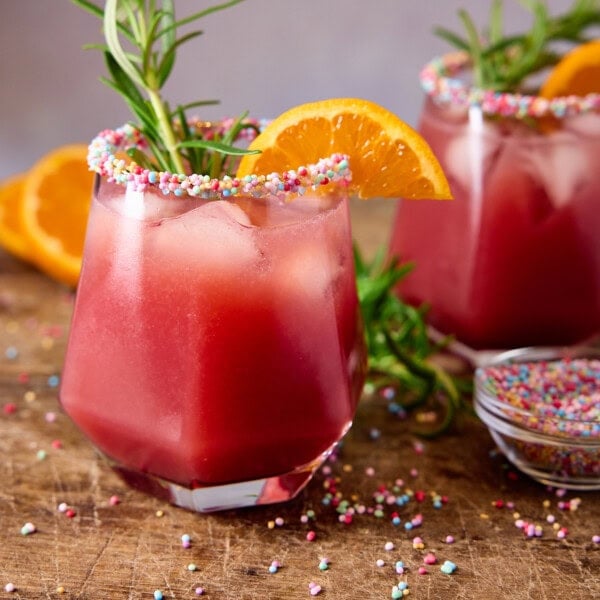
308, 271
586, 125
215, 237
469, 157
559, 163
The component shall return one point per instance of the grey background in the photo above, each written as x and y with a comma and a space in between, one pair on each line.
262, 55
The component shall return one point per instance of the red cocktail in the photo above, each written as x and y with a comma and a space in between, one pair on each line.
514, 260
216, 344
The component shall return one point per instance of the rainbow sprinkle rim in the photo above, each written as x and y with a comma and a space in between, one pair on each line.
439, 81
102, 159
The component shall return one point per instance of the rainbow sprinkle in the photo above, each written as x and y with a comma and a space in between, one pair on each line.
545, 416
561, 397
439, 81
102, 159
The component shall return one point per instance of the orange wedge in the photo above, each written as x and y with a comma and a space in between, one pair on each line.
577, 73
387, 157
11, 234
54, 211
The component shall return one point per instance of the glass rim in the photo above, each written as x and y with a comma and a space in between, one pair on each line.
440, 82
103, 160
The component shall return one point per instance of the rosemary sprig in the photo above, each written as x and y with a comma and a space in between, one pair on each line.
399, 348
505, 63
141, 45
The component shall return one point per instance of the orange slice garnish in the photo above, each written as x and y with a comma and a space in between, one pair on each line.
577, 73
11, 233
388, 158
54, 210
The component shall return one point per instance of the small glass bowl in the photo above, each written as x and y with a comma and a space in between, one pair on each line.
553, 440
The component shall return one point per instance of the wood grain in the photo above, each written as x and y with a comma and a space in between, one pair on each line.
127, 551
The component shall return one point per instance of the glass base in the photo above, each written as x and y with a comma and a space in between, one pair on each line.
227, 496
480, 358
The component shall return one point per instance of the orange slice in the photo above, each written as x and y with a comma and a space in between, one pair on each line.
387, 157
54, 211
577, 73
11, 234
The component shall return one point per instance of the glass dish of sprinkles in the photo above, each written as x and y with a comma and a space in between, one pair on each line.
542, 407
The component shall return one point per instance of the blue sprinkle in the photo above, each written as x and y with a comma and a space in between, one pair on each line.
158, 595
448, 567
11, 353
53, 381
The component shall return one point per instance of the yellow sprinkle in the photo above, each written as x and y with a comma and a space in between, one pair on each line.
29, 396
516, 515
556, 526
347, 468
47, 343
484, 516
546, 503
271, 524
12, 327
60, 589
160, 513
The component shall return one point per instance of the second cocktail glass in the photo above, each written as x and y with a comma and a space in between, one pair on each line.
514, 260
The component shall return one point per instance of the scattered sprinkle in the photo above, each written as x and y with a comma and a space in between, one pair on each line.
28, 529
448, 567
10, 588
314, 589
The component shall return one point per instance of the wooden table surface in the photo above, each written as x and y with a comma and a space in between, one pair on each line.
131, 549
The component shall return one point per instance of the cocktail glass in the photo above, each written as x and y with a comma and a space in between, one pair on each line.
216, 354
514, 260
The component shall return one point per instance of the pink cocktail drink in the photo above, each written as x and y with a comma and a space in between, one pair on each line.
514, 260
216, 342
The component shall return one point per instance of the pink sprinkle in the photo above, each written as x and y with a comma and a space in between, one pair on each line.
422, 571
279, 521
199, 591
311, 536
369, 471
596, 539
304, 519
380, 562
57, 444
388, 546
10, 408
114, 500
10, 588
62, 507
449, 539
50, 417
414, 472
314, 589
23, 378
430, 559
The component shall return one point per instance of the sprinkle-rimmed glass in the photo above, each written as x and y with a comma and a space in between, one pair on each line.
514, 260
216, 353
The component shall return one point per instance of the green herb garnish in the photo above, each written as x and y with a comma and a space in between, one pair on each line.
141, 44
399, 347
505, 63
